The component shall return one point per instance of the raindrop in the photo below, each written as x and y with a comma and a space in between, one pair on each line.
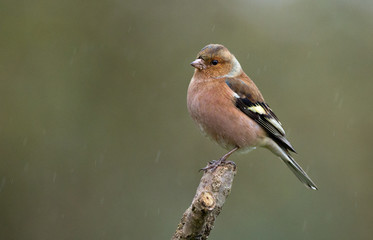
304, 227
73, 56
25, 140
25, 168
157, 157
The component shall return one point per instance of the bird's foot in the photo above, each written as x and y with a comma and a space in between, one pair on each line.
212, 165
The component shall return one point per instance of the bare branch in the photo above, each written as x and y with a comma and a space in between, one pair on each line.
215, 186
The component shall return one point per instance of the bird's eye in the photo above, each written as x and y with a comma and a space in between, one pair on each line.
214, 62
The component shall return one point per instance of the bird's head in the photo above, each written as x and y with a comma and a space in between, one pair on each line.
216, 61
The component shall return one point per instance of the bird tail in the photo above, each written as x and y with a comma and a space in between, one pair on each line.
292, 164
299, 172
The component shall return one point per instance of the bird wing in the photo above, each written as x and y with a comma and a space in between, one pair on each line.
254, 107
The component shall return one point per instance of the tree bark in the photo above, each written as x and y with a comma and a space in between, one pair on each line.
215, 186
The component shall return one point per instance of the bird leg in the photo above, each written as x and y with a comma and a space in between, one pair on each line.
215, 163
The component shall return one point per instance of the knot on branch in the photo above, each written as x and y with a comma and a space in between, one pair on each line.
207, 201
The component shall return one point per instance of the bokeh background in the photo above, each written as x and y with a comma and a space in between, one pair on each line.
96, 141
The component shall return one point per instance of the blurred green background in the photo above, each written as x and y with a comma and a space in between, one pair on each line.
96, 141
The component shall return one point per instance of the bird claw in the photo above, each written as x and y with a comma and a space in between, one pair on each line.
212, 165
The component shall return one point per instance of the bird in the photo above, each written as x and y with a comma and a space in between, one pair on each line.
229, 108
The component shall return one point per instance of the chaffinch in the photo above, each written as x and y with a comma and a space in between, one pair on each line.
229, 108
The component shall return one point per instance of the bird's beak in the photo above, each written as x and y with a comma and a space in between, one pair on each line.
198, 63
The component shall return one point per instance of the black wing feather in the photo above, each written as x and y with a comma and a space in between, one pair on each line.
265, 117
